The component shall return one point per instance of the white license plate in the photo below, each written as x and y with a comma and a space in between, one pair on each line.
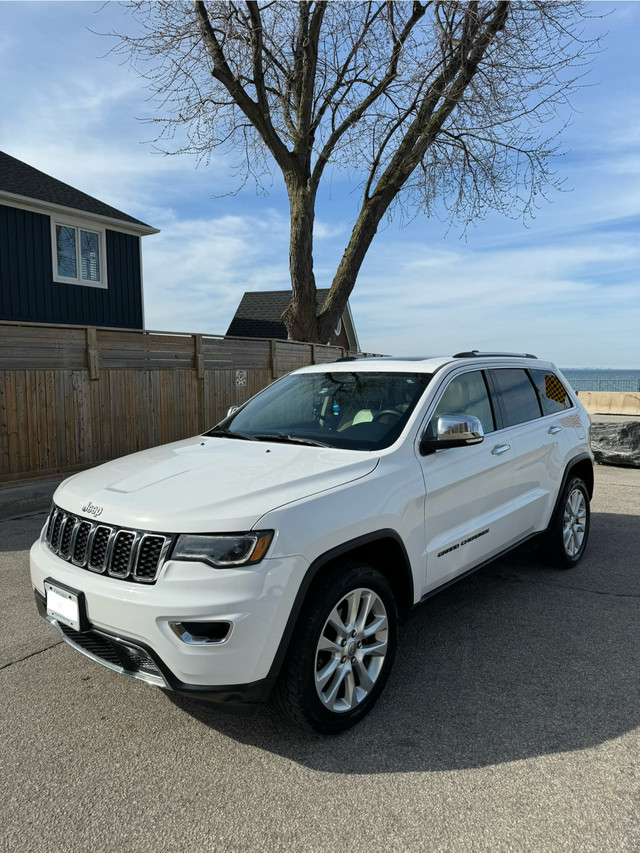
62, 605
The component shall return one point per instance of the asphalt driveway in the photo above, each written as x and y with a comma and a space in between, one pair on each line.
510, 723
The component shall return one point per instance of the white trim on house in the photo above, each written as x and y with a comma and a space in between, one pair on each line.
144, 319
51, 209
350, 329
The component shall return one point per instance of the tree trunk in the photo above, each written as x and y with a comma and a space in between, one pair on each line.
300, 317
345, 278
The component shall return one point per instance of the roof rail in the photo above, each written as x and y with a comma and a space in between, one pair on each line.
477, 354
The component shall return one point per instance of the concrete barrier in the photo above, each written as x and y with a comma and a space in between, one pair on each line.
611, 402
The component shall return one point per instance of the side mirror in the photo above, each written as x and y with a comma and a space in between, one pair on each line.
231, 410
453, 431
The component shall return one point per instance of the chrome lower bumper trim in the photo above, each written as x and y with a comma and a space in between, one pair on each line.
156, 680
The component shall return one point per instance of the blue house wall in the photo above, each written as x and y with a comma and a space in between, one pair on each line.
28, 292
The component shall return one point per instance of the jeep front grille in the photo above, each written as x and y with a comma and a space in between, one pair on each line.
115, 551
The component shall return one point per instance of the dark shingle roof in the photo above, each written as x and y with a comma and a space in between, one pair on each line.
21, 179
259, 314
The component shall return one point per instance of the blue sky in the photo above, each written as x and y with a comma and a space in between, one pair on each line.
567, 287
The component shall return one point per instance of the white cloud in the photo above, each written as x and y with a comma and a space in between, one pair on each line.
72, 114
557, 301
196, 271
323, 230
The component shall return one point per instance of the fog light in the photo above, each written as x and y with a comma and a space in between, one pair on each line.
201, 633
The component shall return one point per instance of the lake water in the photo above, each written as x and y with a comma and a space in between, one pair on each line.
592, 379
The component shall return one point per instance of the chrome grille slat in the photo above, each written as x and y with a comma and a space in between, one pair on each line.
122, 553
67, 536
52, 517
152, 551
109, 551
57, 529
101, 548
97, 560
80, 543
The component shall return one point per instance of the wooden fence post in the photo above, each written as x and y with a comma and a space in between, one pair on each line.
93, 354
199, 365
199, 356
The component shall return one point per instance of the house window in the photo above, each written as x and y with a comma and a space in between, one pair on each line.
78, 255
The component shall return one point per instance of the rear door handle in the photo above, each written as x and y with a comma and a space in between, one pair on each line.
554, 429
500, 448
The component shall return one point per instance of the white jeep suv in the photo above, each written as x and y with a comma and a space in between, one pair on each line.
280, 548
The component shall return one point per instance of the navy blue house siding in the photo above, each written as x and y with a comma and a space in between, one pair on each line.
29, 293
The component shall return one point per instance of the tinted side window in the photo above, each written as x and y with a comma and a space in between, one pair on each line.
519, 398
466, 395
553, 395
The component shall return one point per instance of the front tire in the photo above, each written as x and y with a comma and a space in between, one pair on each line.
568, 532
342, 650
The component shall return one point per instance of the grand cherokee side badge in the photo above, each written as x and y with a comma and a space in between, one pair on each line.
464, 542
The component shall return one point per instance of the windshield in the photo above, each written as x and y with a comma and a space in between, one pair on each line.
354, 410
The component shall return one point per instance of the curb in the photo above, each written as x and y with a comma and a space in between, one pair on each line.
27, 498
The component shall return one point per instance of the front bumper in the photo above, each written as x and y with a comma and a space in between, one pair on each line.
133, 659
132, 627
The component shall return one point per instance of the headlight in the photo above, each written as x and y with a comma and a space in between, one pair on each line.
223, 552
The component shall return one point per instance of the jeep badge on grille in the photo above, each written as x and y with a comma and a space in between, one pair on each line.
92, 509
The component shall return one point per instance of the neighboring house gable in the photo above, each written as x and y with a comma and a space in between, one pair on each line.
66, 257
259, 315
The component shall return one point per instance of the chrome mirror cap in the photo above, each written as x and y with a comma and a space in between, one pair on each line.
453, 431
458, 428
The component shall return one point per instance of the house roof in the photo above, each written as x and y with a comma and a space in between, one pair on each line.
20, 181
259, 315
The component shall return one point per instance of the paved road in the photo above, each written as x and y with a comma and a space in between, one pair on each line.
511, 723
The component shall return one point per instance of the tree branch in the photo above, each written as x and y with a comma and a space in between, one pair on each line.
454, 107
411, 150
309, 63
222, 72
418, 10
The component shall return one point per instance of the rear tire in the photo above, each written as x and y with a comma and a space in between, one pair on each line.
568, 533
342, 649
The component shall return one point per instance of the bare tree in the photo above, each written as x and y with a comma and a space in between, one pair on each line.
427, 102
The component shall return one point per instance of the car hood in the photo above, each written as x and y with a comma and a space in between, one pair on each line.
207, 484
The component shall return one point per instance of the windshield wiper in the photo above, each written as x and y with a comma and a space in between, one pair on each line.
228, 433
289, 439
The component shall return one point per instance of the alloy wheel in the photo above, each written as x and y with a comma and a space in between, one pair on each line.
574, 522
351, 650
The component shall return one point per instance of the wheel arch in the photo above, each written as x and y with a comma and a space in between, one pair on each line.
580, 466
383, 550
564, 548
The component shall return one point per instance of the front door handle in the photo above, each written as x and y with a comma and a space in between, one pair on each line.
554, 429
500, 448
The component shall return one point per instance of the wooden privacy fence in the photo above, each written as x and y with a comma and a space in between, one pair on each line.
73, 396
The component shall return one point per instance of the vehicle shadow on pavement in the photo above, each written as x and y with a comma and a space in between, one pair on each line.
519, 660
